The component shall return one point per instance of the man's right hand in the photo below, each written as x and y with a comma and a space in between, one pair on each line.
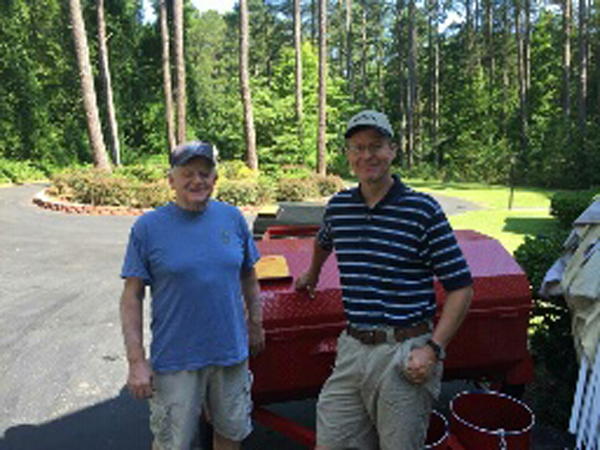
139, 381
307, 282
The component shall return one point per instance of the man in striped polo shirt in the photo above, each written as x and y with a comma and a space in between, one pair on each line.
390, 242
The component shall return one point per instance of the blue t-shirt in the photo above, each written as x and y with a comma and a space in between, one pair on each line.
192, 263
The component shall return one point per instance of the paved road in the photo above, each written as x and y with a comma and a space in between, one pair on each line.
62, 364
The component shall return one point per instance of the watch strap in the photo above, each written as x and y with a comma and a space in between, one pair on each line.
440, 354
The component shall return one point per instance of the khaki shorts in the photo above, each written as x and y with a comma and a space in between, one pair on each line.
178, 399
367, 403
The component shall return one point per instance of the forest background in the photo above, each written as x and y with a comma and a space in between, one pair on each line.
508, 91
493, 91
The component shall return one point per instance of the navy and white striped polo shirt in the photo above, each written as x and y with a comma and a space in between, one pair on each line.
388, 255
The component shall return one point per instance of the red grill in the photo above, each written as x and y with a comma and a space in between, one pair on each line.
301, 332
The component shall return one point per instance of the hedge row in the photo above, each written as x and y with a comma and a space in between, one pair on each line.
147, 187
567, 206
21, 171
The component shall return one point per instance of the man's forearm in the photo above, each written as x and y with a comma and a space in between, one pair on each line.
454, 312
318, 260
132, 322
251, 293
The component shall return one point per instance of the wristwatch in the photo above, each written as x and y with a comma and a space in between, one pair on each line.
439, 351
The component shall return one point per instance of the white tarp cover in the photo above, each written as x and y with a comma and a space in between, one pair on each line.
580, 282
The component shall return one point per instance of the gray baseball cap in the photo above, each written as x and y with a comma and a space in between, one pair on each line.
193, 149
369, 119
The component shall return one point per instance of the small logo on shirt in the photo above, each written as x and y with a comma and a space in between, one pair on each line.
225, 237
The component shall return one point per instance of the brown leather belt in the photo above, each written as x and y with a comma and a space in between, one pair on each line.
391, 334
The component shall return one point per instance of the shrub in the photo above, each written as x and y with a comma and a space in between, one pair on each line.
236, 170
537, 254
551, 341
151, 195
267, 190
145, 173
567, 206
21, 171
104, 190
238, 192
91, 186
296, 189
328, 185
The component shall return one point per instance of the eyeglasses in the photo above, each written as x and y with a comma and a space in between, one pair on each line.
371, 148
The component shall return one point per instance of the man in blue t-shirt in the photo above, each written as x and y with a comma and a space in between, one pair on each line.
197, 256
390, 242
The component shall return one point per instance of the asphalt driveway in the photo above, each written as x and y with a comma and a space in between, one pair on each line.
62, 366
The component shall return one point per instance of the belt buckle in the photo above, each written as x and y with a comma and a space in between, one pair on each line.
370, 336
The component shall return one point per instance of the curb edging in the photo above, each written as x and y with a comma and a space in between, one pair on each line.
44, 201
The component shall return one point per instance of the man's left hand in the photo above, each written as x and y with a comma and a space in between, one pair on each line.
256, 338
421, 362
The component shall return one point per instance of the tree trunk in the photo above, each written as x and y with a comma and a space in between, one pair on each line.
180, 67
322, 138
349, 69
527, 46
363, 57
566, 60
298, 72
379, 46
313, 21
469, 35
411, 100
166, 62
505, 67
251, 156
113, 128
401, 78
489, 43
88, 91
435, 81
583, 69
522, 76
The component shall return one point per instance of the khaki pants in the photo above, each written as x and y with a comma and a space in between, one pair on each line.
367, 403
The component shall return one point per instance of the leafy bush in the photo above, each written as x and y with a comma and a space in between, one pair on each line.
151, 195
267, 190
145, 186
328, 185
143, 172
296, 189
238, 192
567, 206
236, 170
551, 341
537, 254
91, 186
21, 171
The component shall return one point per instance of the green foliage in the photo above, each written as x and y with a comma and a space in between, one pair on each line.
94, 187
296, 189
21, 172
238, 192
537, 254
566, 206
236, 170
328, 185
41, 117
142, 172
551, 340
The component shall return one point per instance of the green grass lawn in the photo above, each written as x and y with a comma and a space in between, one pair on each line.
529, 214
